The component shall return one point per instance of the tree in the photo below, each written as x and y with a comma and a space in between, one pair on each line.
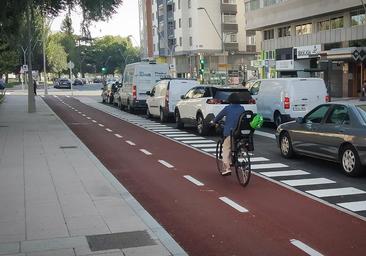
66, 25
56, 55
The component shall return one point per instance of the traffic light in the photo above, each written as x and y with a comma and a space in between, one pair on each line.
104, 70
202, 66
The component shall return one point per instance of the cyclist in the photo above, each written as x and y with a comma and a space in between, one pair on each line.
232, 113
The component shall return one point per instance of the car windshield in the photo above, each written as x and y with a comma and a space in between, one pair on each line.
223, 95
362, 110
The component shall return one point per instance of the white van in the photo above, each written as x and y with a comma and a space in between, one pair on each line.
284, 99
164, 96
139, 78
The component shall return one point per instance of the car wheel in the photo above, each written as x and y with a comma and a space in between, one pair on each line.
202, 127
286, 145
148, 114
350, 161
278, 119
178, 120
163, 117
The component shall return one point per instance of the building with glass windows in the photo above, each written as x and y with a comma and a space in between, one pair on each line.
312, 38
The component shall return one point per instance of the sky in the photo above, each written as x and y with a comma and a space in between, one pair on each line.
125, 22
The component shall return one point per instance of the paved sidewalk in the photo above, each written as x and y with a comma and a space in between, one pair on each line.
56, 198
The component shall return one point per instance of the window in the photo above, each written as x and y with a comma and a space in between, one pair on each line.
229, 1
153, 17
198, 93
189, 3
336, 23
268, 34
362, 110
190, 41
358, 17
229, 18
304, 29
338, 116
190, 22
284, 31
180, 41
317, 115
323, 25
189, 94
230, 38
180, 23
251, 40
255, 88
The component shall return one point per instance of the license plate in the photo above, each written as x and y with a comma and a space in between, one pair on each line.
299, 108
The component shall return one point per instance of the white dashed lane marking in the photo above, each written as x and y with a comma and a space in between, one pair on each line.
166, 164
233, 204
94, 121
101, 125
88, 117
146, 152
193, 180
130, 142
108, 130
305, 248
118, 136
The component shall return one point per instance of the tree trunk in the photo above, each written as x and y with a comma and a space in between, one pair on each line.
6, 78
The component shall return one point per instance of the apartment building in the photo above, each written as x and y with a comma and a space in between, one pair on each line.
311, 38
187, 32
145, 25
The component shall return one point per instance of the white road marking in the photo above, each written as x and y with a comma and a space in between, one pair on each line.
165, 130
166, 164
84, 115
354, 206
208, 145
118, 136
284, 173
267, 166
197, 141
94, 121
233, 204
336, 192
305, 182
68, 96
265, 134
173, 132
101, 125
189, 138
305, 248
88, 117
108, 130
209, 150
130, 142
193, 180
258, 159
146, 152
179, 135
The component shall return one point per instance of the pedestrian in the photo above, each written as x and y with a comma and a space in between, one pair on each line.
243, 83
35, 86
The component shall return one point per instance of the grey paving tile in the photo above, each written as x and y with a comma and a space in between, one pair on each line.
61, 252
9, 248
46, 228
84, 251
156, 250
89, 225
11, 231
53, 244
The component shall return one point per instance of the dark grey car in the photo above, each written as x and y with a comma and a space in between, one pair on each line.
334, 131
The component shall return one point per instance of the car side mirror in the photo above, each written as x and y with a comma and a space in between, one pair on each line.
299, 120
182, 97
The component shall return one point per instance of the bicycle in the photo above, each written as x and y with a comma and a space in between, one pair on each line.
241, 146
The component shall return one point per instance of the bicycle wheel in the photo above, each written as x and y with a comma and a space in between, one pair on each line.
243, 166
219, 163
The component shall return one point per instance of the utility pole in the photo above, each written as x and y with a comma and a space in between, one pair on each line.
44, 54
31, 100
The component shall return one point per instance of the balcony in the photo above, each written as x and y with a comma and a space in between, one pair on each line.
232, 28
229, 8
231, 46
251, 48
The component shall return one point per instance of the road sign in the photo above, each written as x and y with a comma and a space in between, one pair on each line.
71, 65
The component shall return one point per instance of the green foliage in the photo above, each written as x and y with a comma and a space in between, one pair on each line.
56, 55
66, 25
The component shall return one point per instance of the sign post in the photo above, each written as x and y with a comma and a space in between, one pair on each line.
71, 65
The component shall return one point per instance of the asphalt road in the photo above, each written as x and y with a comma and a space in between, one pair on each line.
176, 181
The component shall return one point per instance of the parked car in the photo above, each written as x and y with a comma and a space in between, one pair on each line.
202, 103
108, 91
97, 80
333, 131
164, 96
77, 81
62, 83
139, 78
284, 99
116, 97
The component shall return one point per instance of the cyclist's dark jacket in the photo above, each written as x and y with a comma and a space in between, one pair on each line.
232, 113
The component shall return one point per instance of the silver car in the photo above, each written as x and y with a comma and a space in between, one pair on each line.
335, 131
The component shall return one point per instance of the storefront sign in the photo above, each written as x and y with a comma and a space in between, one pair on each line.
283, 65
306, 52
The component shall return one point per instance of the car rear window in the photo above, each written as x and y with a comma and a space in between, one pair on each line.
223, 95
362, 110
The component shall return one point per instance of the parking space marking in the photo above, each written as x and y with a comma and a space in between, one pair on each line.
166, 164
258, 159
336, 192
101, 125
284, 173
173, 132
265, 134
189, 138
197, 141
209, 150
193, 180
306, 182
130, 142
118, 136
354, 206
233, 204
305, 248
179, 135
164, 130
268, 166
108, 130
146, 152
208, 145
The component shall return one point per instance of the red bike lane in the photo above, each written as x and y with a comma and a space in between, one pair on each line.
194, 215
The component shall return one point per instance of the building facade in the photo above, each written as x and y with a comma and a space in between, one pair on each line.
146, 29
203, 39
312, 38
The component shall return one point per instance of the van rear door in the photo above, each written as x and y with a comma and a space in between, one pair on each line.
177, 89
146, 76
305, 95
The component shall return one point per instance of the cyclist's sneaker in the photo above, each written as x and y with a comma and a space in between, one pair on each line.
226, 173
